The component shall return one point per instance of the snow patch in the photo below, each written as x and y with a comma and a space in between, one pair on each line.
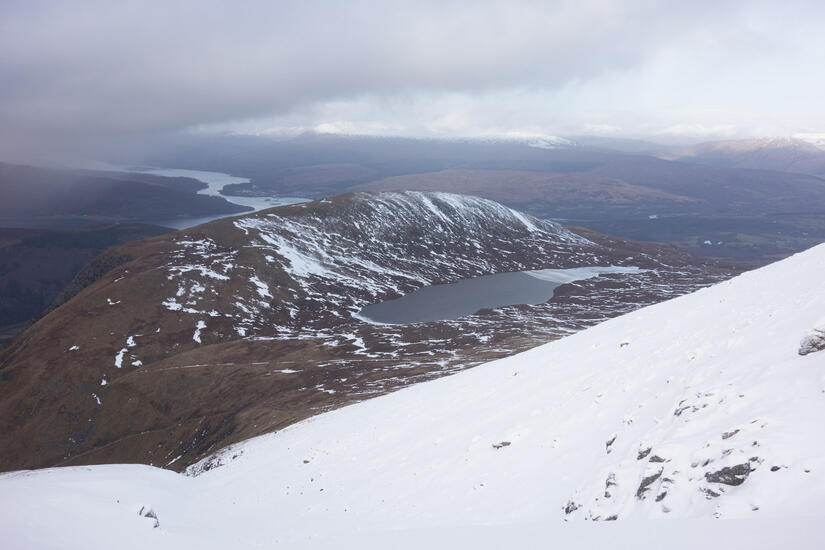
119, 357
580, 273
196, 336
262, 288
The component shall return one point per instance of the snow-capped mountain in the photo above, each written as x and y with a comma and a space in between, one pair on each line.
817, 140
802, 153
704, 406
550, 142
242, 326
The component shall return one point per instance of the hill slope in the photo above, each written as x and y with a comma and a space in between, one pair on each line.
242, 326
37, 265
699, 407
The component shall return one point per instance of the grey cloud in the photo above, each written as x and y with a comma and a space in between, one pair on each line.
77, 74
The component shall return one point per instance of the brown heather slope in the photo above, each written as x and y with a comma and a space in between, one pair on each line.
36, 265
242, 326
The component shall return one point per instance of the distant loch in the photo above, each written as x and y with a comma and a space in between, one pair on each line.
467, 296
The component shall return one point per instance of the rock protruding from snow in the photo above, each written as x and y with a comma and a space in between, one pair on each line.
813, 341
730, 475
147, 512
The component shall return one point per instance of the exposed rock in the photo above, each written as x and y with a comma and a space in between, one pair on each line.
730, 475
147, 512
710, 493
570, 507
501, 445
680, 410
812, 342
609, 482
643, 453
644, 486
610, 442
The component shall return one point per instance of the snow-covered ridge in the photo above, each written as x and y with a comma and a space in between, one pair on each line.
698, 407
817, 140
451, 212
810, 142
370, 246
404, 230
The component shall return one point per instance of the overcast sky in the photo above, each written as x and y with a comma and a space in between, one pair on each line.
76, 75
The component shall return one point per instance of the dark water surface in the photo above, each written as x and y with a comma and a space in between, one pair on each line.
465, 297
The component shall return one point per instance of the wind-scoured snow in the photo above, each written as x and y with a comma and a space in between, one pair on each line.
696, 408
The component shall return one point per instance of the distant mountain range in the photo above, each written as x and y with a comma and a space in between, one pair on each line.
777, 154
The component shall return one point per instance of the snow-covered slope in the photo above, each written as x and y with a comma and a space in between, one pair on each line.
698, 407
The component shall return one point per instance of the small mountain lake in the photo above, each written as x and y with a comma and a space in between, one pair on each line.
467, 296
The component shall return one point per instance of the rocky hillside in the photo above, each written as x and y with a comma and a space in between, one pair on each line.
245, 325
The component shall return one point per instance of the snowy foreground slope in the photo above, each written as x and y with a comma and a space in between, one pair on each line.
692, 409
